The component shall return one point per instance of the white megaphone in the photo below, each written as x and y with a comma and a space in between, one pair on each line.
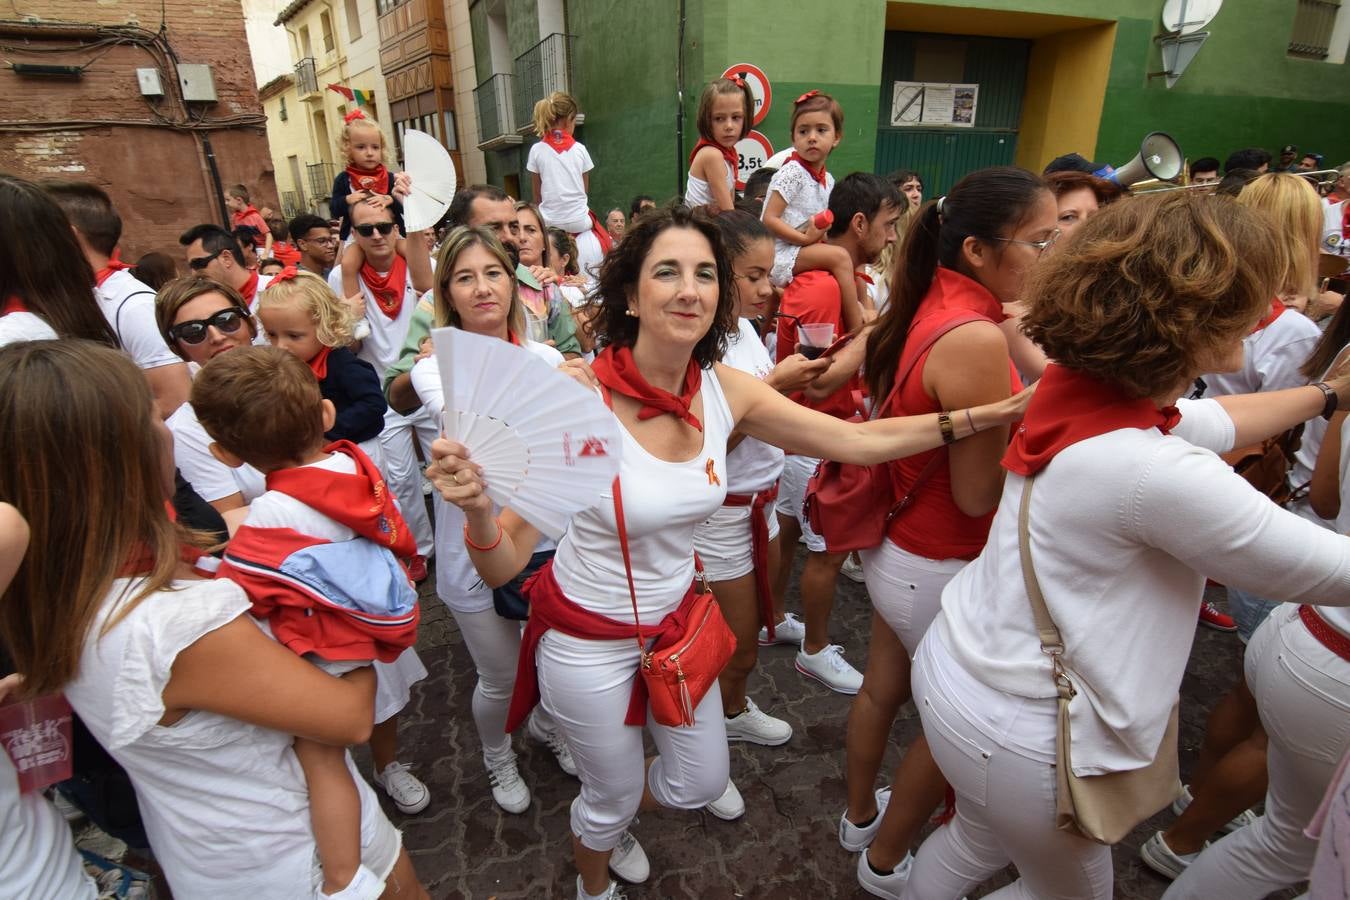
1159, 157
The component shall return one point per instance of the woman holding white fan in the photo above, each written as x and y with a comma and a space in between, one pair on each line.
667, 307
476, 291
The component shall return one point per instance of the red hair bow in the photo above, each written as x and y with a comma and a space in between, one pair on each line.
286, 274
737, 80
804, 97
353, 116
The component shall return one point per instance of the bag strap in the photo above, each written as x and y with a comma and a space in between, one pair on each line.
1052, 643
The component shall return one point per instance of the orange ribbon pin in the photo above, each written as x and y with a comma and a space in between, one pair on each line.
711, 469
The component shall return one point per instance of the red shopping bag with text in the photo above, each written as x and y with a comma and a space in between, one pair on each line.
36, 735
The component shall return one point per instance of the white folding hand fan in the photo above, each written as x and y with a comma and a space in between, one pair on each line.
547, 445
432, 171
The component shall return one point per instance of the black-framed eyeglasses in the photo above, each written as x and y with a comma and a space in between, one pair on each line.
1041, 246
227, 321
197, 263
370, 228
319, 240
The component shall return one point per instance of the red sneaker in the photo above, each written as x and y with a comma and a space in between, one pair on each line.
417, 571
1210, 617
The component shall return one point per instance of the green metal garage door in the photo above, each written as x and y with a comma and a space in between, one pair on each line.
942, 155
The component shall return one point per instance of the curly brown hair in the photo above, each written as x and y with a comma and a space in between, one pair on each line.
1150, 285
620, 271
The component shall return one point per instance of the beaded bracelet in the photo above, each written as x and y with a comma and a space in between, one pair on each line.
492, 546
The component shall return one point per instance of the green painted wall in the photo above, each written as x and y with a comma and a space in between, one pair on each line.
478, 29
522, 25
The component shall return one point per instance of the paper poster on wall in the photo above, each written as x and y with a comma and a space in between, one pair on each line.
918, 103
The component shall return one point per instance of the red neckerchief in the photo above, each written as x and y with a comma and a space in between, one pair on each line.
511, 336
818, 175
376, 179
1345, 221
285, 252
249, 290
601, 233
243, 214
860, 274
318, 364
13, 304
387, 288
114, 265
559, 140
616, 370
1276, 310
362, 502
1070, 406
728, 153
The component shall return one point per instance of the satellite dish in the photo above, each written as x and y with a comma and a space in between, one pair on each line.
432, 171
1189, 16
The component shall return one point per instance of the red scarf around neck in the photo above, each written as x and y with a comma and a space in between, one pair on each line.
615, 369
559, 140
817, 174
387, 288
362, 502
1071, 406
249, 289
1276, 310
728, 153
376, 179
114, 265
318, 364
13, 303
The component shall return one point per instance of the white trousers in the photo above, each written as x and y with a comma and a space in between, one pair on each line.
394, 681
1302, 691
404, 472
586, 686
906, 589
494, 645
1005, 812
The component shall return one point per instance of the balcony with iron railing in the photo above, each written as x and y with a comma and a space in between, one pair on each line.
1314, 22
306, 78
544, 68
292, 203
496, 112
320, 176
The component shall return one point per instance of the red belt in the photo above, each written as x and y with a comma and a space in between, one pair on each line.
1326, 635
759, 547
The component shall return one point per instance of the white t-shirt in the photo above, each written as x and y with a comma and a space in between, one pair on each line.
37, 855
1125, 526
697, 192
663, 502
457, 581
381, 348
563, 202
129, 307
752, 465
224, 803
1271, 358
209, 477
24, 326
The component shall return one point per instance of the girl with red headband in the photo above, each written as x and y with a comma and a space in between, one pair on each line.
667, 309
725, 112
366, 179
796, 207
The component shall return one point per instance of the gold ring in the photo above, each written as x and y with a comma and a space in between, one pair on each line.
457, 481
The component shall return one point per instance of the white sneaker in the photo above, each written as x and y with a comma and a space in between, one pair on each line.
1163, 859
789, 631
629, 860
891, 884
409, 795
755, 726
1241, 820
555, 743
830, 668
365, 885
613, 892
857, 837
852, 569
729, 807
508, 790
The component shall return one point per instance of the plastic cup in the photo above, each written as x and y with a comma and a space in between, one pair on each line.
814, 338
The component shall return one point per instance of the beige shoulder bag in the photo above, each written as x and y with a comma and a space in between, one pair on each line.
1101, 808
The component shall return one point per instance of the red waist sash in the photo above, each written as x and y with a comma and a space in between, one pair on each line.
759, 547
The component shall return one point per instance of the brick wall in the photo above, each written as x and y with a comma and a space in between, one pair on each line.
156, 170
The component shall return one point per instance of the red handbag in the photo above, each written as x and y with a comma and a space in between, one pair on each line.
851, 506
678, 676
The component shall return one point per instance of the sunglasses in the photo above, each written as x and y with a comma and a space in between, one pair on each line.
371, 227
227, 321
198, 263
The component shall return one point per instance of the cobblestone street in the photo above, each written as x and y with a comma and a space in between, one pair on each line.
784, 847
